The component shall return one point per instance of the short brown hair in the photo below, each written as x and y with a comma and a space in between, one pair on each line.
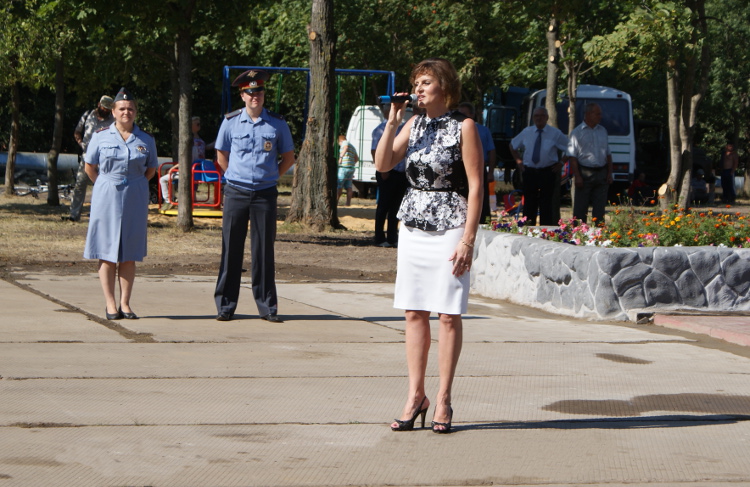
446, 76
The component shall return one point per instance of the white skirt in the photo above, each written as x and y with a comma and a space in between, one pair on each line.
424, 279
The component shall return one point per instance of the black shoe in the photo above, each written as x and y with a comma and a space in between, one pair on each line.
408, 424
67, 218
446, 427
224, 316
115, 316
272, 318
128, 316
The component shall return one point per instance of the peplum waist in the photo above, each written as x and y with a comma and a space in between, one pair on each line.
433, 209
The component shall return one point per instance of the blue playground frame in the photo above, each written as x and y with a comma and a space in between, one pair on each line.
226, 92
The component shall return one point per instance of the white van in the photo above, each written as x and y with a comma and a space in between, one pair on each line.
365, 119
359, 133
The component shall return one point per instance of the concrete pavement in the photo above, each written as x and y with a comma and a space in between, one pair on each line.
178, 399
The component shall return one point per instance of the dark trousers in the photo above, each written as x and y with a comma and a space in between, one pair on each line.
259, 208
390, 193
727, 186
594, 191
486, 213
538, 192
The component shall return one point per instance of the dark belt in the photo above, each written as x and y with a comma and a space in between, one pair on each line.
537, 169
592, 168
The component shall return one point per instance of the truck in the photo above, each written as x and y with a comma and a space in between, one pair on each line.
503, 116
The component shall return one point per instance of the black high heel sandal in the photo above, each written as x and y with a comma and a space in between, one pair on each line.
408, 425
446, 426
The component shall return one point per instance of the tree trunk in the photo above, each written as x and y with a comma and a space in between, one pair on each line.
174, 111
572, 98
10, 164
552, 56
53, 198
675, 144
183, 51
314, 188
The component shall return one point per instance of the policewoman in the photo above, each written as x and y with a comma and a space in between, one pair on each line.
253, 148
120, 159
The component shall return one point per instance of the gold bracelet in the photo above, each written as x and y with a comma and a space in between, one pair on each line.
471, 246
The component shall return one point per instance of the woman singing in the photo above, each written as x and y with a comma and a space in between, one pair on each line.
440, 215
120, 160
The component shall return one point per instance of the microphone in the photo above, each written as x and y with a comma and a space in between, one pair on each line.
397, 99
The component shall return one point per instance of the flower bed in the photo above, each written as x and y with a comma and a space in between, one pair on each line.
630, 227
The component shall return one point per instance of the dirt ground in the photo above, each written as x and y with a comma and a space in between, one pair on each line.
34, 237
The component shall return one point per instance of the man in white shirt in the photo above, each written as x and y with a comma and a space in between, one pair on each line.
540, 162
591, 165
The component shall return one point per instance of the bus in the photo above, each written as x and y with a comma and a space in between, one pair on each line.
617, 118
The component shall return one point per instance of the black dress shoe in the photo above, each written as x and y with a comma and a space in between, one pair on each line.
114, 316
224, 316
128, 316
272, 318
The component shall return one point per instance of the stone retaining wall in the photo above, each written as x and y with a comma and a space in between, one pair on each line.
609, 283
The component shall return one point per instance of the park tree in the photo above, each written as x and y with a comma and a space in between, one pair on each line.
314, 187
673, 35
36, 35
724, 117
13, 58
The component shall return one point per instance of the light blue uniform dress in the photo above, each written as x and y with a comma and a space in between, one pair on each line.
119, 201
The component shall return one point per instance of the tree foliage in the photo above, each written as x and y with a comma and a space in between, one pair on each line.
633, 45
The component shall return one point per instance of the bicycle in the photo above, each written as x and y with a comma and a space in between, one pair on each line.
65, 191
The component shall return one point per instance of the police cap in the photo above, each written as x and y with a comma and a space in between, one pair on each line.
124, 94
251, 81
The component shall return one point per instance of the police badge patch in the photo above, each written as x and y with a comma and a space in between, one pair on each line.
267, 146
141, 148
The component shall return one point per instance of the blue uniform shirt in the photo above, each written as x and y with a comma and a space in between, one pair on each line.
377, 134
254, 148
118, 159
485, 136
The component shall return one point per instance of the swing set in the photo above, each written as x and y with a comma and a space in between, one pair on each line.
211, 179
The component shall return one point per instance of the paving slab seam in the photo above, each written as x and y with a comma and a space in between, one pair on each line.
565, 423
121, 330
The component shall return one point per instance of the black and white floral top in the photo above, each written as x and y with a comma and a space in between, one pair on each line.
438, 188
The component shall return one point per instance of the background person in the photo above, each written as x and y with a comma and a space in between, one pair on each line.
199, 152
250, 142
490, 158
540, 165
120, 159
391, 188
90, 123
440, 216
348, 160
729, 163
591, 165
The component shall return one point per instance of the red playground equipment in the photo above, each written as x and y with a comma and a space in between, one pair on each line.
206, 186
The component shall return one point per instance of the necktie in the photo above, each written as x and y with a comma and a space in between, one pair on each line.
535, 157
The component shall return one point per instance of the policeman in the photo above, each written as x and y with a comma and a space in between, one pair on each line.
253, 148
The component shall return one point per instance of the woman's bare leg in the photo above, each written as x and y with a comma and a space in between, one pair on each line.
450, 341
107, 277
417, 348
127, 278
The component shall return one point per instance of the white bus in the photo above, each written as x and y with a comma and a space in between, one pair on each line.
617, 118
